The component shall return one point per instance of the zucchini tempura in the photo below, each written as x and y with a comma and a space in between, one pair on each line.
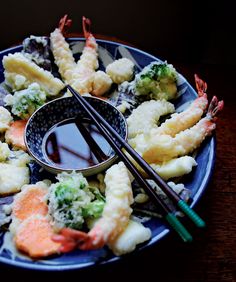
17, 66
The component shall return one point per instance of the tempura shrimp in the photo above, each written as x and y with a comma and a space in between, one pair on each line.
61, 50
97, 83
89, 57
115, 215
146, 116
156, 148
189, 117
81, 75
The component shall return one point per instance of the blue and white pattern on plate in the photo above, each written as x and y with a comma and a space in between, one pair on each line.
196, 181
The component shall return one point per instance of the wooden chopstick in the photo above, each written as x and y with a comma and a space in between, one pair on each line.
97, 151
107, 131
145, 166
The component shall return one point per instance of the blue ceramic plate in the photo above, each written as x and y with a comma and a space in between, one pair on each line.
196, 182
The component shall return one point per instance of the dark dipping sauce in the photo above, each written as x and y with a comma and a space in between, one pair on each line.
65, 146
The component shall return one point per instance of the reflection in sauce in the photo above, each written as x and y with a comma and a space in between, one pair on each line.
66, 147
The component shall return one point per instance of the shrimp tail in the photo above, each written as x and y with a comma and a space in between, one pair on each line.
64, 24
86, 27
214, 108
71, 239
200, 85
90, 40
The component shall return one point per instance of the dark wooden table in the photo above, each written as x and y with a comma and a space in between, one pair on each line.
212, 255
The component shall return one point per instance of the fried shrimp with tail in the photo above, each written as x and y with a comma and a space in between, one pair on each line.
61, 50
89, 55
152, 111
115, 216
86, 78
189, 117
156, 148
81, 75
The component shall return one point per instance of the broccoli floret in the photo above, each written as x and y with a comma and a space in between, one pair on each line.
72, 201
26, 101
157, 81
93, 209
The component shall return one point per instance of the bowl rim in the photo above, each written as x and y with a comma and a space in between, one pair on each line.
51, 167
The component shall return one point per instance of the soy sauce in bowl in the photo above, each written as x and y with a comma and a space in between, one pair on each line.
53, 138
65, 145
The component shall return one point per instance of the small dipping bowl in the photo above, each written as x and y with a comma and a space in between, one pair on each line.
54, 141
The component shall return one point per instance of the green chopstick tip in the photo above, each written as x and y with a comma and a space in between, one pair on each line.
191, 214
179, 228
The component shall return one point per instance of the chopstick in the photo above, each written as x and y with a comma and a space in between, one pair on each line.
107, 131
97, 151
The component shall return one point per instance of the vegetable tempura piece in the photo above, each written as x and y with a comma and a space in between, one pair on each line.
121, 70
37, 49
12, 178
135, 233
30, 201
19, 158
15, 134
175, 167
101, 83
115, 215
25, 102
34, 237
156, 81
5, 119
4, 151
30, 223
71, 200
3, 93
18, 67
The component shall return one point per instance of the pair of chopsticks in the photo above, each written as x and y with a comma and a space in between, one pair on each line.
110, 134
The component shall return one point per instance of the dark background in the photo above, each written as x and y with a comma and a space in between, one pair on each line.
196, 37
185, 30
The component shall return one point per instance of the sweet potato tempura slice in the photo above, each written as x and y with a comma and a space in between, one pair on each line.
15, 134
30, 224
30, 202
34, 237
